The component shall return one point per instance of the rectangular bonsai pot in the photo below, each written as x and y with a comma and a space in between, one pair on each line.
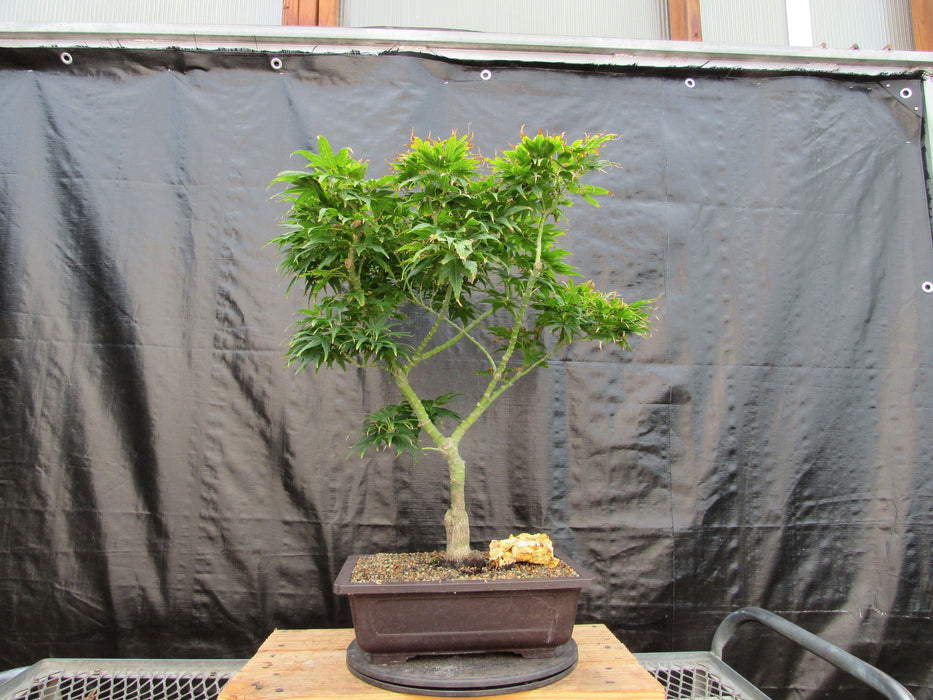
396, 621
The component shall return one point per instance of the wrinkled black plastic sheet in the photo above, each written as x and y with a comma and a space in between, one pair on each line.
170, 489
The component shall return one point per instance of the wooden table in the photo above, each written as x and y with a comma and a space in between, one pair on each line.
306, 664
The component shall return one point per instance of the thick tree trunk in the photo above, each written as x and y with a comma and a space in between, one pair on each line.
456, 520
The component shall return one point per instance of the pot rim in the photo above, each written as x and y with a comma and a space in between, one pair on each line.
344, 586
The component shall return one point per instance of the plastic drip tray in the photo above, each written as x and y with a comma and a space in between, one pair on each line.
464, 675
698, 675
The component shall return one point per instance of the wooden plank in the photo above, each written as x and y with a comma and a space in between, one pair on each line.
684, 19
597, 680
309, 13
311, 664
308, 640
290, 11
921, 15
328, 13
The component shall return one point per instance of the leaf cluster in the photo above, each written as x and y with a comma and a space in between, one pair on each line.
396, 426
457, 237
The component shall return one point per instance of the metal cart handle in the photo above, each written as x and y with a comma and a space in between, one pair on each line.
843, 660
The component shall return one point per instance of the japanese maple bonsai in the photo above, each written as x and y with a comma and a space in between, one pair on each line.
466, 241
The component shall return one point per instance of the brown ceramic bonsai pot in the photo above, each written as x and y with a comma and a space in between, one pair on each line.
397, 621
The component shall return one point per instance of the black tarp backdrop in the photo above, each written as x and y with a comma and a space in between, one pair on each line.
169, 489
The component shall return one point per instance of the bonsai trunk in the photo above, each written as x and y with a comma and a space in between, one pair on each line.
456, 520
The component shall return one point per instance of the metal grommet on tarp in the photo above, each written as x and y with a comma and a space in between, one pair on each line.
907, 92
464, 675
66, 57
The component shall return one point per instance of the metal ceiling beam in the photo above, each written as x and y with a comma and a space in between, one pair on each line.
469, 46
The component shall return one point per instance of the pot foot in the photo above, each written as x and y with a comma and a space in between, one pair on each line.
537, 653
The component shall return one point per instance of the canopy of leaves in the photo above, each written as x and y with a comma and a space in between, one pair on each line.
449, 234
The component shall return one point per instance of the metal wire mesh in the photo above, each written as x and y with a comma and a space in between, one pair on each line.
92, 686
693, 683
685, 676
698, 676
96, 682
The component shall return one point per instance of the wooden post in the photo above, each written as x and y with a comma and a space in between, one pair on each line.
921, 15
684, 18
311, 13
328, 13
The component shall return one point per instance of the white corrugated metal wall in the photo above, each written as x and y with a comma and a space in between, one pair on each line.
839, 24
261, 12
627, 19
872, 24
749, 22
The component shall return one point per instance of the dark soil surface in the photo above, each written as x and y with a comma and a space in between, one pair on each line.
431, 566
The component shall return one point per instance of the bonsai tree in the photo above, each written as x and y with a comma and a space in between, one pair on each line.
449, 247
